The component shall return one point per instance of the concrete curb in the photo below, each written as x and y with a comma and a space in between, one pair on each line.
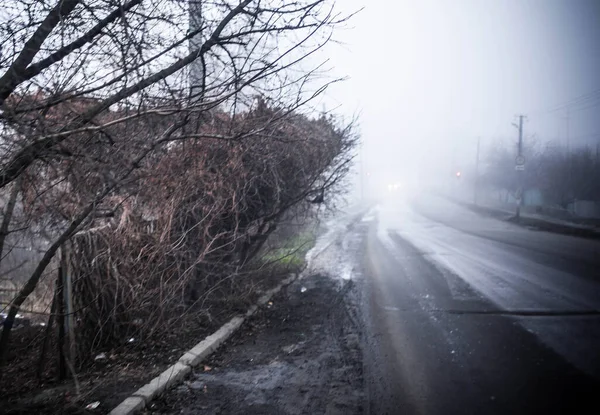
192, 358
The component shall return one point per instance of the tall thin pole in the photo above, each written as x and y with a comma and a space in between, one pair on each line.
362, 172
520, 172
569, 151
568, 130
68, 299
453, 162
60, 298
476, 188
196, 68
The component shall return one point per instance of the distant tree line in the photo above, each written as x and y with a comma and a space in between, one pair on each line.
561, 175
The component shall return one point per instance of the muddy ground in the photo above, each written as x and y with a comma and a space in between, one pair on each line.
123, 370
300, 354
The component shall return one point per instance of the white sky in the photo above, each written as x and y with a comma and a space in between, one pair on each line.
429, 76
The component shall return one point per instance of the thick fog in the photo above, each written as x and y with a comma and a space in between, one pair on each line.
429, 77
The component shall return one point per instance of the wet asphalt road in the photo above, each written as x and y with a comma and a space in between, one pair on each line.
467, 314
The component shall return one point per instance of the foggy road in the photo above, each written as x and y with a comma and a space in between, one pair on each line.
468, 314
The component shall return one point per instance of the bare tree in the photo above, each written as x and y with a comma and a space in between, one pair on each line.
95, 102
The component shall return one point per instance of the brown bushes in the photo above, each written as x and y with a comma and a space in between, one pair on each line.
189, 224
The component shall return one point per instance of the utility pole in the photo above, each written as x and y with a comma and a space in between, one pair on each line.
196, 69
362, 172
476, 188
568, 130
519, 162
452, 190
453, 162
569, 152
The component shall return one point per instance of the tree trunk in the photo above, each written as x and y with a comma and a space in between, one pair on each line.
10, 207
60, 293
48, 333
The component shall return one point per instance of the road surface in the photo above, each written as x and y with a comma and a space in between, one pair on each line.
467, 314
417, 307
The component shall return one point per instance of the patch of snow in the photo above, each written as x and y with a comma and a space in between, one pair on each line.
334, 251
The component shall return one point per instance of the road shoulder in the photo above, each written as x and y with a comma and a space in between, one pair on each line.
300, 353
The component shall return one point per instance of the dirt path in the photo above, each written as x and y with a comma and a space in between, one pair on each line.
300, 354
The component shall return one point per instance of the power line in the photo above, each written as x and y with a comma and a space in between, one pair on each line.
586, 136
588, 100
582, 99
587, 107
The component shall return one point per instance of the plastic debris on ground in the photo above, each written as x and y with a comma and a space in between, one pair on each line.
93, 405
